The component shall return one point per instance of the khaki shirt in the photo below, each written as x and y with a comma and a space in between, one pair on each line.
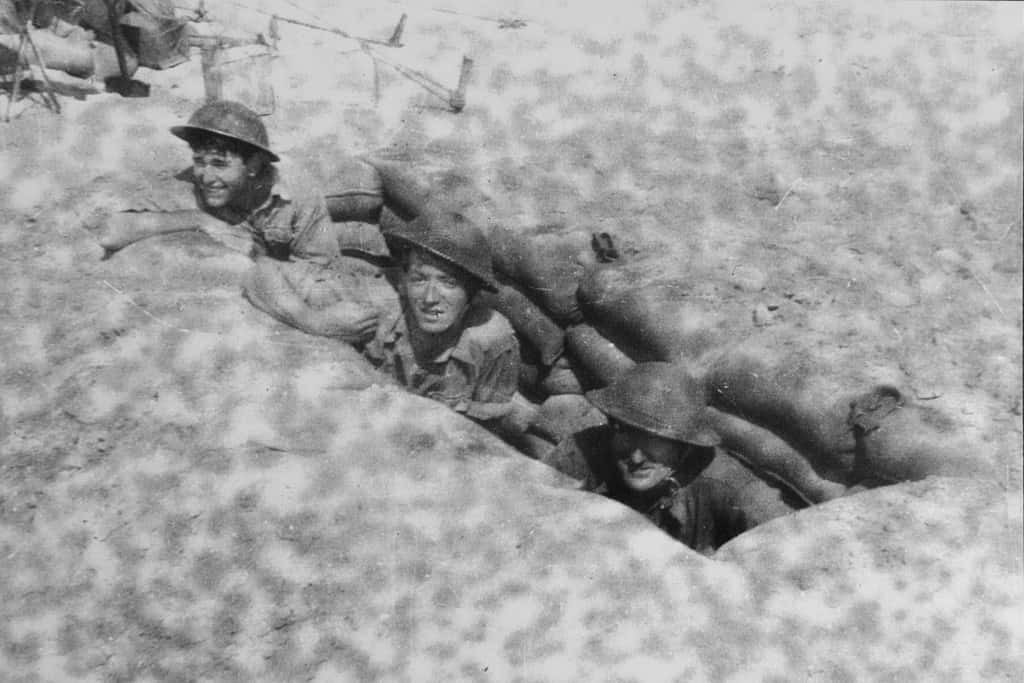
477, 376
698, 510
296, 227
287, 226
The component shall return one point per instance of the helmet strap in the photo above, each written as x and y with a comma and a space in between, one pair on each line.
665, 492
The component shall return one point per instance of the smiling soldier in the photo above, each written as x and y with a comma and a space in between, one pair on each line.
299, 275
294, 243
444, 344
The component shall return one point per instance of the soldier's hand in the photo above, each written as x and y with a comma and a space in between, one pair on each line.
522, 414
350, 322
97, 223
116, 230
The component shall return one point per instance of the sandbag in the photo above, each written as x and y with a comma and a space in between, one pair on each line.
848, 434
528, 320
401, 192
789, 395
567, 414
562, 378
600, 360
546, 277
72, 55
649, 323
772, 458
898, 440
759, 500
407, 192
355, 193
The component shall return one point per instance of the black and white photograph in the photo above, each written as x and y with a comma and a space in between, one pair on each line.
545, 341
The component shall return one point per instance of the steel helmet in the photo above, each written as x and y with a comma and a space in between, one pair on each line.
450, 236
230, 119
659, 398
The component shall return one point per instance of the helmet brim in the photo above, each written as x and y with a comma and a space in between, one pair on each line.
186, 131
487, 283
700, 434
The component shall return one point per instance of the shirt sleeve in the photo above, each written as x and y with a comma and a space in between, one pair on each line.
496, 383
315, 236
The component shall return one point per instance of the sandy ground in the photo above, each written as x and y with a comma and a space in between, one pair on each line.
189, 491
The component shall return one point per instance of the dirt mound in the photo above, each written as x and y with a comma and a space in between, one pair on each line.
918, 573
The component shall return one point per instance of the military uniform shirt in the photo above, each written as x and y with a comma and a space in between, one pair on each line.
285, 226
477, 376
700, 511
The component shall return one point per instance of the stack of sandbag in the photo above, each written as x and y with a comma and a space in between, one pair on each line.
848, 430
785, 414
647, 322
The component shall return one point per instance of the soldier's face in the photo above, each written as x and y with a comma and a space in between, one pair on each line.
644, 460
222, 177
436, 292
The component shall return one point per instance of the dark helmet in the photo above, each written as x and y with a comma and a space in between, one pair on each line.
231, 120
450, 236
659, 398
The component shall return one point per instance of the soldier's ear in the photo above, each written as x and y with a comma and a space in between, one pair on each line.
255, 164
473, 287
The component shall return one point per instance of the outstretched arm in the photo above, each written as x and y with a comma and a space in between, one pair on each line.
267, 288
118, 230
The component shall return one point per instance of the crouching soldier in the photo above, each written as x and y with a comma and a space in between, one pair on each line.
299, 275
653, 455
443, 343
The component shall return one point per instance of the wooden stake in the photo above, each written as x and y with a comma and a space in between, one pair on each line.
457, 99
16, 86
213, 83
273, 34
376, 81
396, 38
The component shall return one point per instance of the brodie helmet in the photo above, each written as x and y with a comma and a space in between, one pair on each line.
451, 237
661, 399
231, 120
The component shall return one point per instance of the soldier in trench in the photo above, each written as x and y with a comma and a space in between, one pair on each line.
654, 453
445, 343
299, 275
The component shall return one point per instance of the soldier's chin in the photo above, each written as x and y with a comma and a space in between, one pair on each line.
216, 200
434, 325
645, 480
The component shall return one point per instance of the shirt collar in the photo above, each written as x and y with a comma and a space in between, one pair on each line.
279, 189
460, 351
